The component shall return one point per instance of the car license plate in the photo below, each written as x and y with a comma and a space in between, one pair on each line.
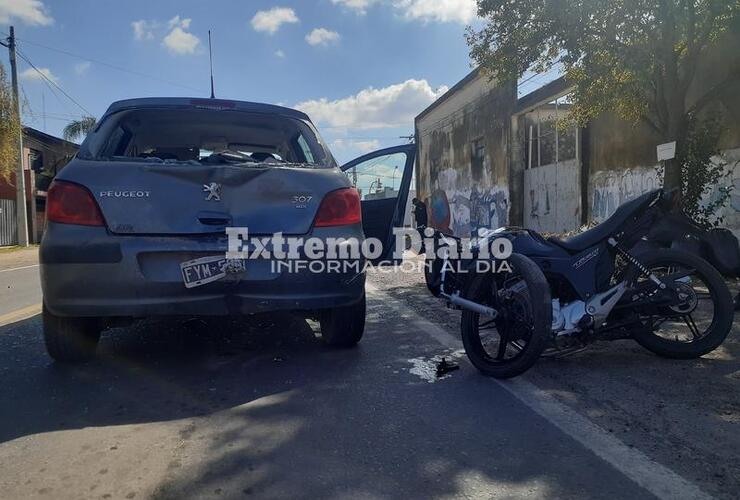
206, 270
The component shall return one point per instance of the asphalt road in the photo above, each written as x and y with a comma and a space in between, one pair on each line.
258, 407
19, 288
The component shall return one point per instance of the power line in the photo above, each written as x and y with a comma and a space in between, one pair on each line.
109, 65
538, 77
53, 83
521, 84
53, 92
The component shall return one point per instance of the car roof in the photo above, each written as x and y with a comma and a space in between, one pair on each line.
205, 103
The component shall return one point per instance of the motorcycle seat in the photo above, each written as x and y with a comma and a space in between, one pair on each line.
609, 227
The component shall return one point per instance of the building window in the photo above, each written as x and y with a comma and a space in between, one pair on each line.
549, 142
35, 160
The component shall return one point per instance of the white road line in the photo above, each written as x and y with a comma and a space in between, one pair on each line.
17, 268
647, 473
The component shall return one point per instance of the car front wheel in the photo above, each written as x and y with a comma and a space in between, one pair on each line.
70, 340
343, 326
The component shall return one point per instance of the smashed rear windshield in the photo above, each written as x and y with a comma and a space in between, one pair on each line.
205, 136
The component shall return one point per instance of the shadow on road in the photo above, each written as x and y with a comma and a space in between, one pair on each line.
154, 371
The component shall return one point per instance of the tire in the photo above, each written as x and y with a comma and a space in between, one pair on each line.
343, 327
70, 340
538, 289
722, 319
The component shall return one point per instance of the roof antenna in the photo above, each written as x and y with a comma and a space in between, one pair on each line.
210, 55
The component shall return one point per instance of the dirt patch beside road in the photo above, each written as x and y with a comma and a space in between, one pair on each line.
13, 257
683, 414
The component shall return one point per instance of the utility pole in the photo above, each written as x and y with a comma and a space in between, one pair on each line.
20, 178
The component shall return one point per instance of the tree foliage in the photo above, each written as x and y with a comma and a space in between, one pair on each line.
638, 58
9, 128
704, 173
78, 129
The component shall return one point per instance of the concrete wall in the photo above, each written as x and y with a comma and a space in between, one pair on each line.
464, 193
607, 189
622, 157
623, 164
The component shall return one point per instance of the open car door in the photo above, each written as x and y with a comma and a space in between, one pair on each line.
383, 179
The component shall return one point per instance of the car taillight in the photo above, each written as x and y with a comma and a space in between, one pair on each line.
69, 203
340, 208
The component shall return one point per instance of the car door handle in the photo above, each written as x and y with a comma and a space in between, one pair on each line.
214, 218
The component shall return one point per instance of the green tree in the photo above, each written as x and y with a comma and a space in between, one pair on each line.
9, 128
79, 128
638, 58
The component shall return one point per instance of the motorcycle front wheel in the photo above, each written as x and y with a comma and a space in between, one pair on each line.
699, 321
508, 345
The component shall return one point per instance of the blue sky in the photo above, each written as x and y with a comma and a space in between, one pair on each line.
361, 68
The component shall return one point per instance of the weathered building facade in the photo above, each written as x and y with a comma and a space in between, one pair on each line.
463, 156
488, 159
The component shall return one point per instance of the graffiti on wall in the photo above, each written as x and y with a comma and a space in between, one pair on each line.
611, 188
463, 211
489, 209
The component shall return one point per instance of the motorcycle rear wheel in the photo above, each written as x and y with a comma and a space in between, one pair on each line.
510, 344
687, 331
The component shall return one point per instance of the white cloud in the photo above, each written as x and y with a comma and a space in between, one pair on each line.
269, 21
322, 36
359, 6
81, 68
31, 74
280, 54
392, 106
460, 11
176, 21
144, 30
355, 146
32, 12
179, 40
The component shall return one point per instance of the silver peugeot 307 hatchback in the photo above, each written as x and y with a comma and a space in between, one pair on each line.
137, 222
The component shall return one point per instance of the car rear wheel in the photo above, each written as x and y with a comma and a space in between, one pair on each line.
344, 326
70, 340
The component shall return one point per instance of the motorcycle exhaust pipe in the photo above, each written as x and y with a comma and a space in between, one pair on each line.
472, 306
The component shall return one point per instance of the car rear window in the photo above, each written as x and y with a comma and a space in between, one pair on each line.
200, 135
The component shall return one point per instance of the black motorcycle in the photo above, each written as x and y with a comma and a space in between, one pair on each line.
557, 296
